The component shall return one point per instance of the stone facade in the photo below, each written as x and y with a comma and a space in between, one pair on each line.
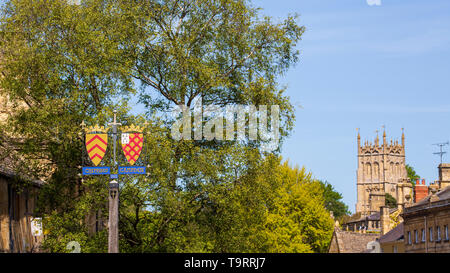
16, 212
3, 109
426, 224
393, 241
444, 175
380, 222
381, 170
17, 204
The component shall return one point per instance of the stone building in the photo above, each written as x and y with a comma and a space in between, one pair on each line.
426, 223
17, 203
381, 170
444, 175
350, 242
393, 241
379, 222
18, 195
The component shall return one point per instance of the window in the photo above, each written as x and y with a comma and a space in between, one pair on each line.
416, 236
409, 237
446, 232
431, 234
438, 231
423, 235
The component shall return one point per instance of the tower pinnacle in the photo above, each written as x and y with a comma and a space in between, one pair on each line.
377, 139
359, 138
403, 137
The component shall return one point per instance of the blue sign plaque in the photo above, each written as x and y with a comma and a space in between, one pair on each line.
132, 170
96, 170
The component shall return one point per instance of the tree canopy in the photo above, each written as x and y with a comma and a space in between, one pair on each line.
63, 64
333, 200
412, 175
390, 201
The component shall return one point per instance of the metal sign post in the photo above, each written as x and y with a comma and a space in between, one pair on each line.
96, 144
113, 236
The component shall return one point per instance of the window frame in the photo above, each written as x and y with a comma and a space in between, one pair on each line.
438, 234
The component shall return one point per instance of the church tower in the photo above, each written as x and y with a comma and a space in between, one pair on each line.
381, 170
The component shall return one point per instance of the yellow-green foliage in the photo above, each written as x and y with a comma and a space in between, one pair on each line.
298, 220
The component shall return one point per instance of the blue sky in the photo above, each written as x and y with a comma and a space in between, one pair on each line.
364, 67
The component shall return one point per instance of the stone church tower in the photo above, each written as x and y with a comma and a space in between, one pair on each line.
381, 170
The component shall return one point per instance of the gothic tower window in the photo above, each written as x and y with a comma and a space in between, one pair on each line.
376, 171
392, 169
368, 171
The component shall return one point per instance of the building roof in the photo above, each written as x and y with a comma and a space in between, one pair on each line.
12, 175
393, 235
10, 163
442, 195
351, 242
439, 199
373, 217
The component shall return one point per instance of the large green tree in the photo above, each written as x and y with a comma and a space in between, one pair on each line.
298, 221
333, 200
62, 64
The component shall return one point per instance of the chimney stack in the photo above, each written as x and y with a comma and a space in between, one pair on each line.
444, 175
420, 190
384, 220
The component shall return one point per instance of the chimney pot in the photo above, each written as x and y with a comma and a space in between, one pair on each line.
423, 181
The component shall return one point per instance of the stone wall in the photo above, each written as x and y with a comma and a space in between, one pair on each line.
423, 218
444, 175
4, 216
393, 247
16, 212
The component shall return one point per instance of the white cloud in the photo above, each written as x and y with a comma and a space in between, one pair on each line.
374, 2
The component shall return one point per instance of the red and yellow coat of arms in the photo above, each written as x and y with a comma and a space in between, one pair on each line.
132, 142
96, 143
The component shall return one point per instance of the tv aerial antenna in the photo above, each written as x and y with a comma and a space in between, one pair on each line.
441, 147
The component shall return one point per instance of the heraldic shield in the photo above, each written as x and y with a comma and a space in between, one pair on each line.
96, 143
132, 142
